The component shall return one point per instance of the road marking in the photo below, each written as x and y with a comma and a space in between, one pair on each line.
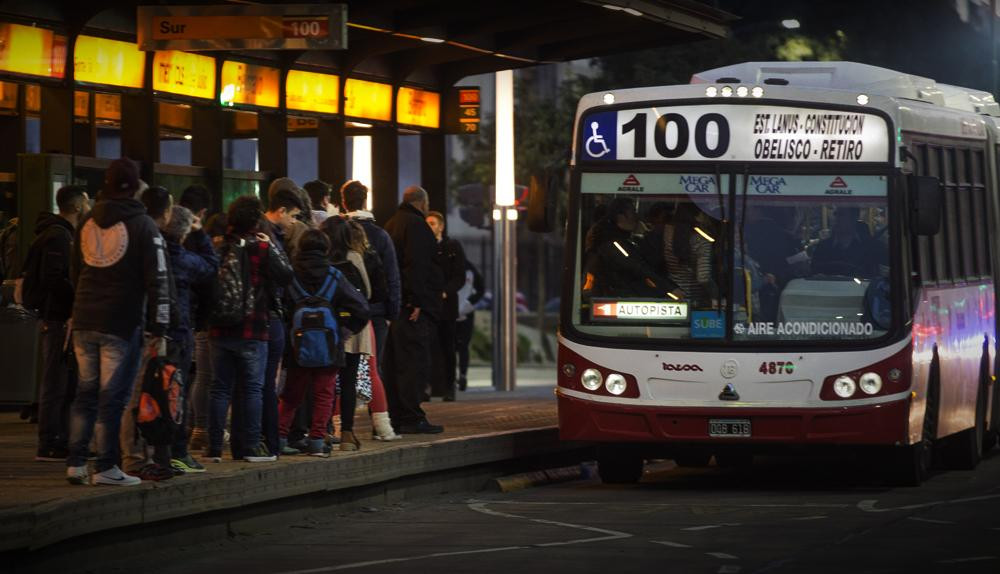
729, 569
610, 534
929, 520
405, 559
869, 505
710, 526
722, 555
973, 559
659, 505
818, 517
671, 544
481, 508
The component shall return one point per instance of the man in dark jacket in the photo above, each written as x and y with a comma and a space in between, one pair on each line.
451, 259
239, 351
354, 195
52, 293
408, 363
120, 272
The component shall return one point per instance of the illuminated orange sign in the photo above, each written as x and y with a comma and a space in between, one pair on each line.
31, 50
184, 74
418, 108
32, 98
81, 105
8, 96
368, 100
248, 84
103, 61
108, 107
312, 92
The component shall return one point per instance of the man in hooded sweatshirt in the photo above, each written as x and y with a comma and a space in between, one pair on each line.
53, 298
119, 267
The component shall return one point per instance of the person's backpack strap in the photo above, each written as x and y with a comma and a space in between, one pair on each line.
296, 291
329, 285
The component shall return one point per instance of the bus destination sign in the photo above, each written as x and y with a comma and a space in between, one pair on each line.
733, 133
243, 27
639, 310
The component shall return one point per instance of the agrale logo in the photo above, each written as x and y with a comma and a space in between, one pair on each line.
838, 187
670, 367
631, 184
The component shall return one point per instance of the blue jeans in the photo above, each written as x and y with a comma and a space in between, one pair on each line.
237, 366
107, 368
268, 419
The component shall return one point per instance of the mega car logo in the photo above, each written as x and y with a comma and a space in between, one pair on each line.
631, 184
698, 183
838, 187
767, 184
680, 367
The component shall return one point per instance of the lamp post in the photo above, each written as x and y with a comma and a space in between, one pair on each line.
504, 240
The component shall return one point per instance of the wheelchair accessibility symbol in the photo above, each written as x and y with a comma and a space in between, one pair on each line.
596, 146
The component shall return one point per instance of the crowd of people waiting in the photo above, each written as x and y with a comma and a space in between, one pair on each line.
169, 330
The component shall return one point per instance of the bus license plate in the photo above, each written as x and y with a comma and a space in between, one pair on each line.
729, 427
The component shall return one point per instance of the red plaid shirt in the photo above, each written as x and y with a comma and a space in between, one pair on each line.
255, 326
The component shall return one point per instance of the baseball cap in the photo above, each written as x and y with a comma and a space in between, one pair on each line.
121, 177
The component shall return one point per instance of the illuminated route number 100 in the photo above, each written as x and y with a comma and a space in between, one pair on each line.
680, 147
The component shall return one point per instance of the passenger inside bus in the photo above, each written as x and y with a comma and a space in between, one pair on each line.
614, 264
850, 250
688, 252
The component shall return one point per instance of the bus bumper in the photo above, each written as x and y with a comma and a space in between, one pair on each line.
881, 424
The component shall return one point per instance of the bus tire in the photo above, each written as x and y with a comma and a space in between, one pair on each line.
993, 432
619, 464
911, 465
964, 450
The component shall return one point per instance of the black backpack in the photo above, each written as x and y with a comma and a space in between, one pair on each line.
233, 294
33, 292
376, 276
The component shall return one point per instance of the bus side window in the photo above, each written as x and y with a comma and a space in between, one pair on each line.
980, 214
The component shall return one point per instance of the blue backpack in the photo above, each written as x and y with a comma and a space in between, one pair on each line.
315, 332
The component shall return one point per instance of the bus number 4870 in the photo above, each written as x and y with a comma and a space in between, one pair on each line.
776, 368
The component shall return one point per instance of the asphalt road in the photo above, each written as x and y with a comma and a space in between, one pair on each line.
785, 515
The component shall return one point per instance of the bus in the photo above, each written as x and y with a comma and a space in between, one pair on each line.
782, 257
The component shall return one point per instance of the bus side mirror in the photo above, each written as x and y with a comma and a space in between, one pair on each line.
926, 203
541, 205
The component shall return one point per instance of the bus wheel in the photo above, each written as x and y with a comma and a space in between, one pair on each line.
911, 465
964, 450
619, 464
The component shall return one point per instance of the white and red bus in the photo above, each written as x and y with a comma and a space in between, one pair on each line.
782, 255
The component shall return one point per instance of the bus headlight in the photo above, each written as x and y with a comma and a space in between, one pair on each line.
870, 383
615, 384
569, 369
844, 387
591, 379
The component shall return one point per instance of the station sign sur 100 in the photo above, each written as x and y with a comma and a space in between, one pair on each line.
733, 133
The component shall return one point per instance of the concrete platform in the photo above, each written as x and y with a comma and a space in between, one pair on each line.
39, 508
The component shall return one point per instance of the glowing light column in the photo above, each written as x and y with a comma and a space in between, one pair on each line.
504, 240
361, 164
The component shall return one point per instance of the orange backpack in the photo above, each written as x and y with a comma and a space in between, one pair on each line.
160, 408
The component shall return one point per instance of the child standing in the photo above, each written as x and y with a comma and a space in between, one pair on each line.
317, 283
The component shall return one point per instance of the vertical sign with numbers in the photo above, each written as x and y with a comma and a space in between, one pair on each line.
461, 111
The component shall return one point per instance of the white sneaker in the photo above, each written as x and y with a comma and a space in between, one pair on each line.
77, 474
115, 477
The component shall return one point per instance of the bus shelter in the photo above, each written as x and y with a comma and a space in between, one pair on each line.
75, 82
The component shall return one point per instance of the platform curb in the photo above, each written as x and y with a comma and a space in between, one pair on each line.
50, 522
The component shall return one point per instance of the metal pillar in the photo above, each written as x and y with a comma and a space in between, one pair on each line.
504, 298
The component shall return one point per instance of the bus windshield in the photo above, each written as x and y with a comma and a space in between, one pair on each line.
802, 257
